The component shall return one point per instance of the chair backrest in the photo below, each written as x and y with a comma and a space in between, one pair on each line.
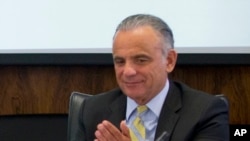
75, 102
34, 127
223, 97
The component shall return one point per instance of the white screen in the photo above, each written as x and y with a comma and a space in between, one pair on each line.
73, 26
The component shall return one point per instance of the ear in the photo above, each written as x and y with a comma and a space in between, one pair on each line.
171, 60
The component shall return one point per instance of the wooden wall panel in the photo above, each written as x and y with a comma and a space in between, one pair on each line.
46, 89
232, 81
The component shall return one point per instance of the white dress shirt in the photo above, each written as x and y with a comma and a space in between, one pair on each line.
150, 118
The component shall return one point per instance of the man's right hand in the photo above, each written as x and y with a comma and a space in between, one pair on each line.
106, 131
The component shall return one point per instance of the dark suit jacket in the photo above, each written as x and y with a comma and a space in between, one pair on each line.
187, 115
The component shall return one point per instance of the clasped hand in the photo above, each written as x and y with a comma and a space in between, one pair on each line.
106, 131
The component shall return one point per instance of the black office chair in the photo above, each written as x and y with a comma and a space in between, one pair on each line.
33, 127
76, 100
224, 98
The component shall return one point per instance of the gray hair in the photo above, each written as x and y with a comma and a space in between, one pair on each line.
156, 23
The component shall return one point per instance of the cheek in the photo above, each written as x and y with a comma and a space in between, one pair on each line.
159, 72
118, 73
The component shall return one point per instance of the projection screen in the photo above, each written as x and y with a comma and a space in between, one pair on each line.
87, 27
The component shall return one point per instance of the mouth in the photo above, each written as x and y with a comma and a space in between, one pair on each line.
132, 83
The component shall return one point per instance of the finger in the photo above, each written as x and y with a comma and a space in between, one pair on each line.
114, 132
124, 129
102, 133
99, 136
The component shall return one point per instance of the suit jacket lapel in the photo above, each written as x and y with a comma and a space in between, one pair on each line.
169, 115
117, 111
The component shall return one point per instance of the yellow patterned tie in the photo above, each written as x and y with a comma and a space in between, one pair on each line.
137, 123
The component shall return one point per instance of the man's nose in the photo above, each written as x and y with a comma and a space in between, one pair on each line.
129, 70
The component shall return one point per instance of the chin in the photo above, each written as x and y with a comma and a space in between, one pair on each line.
133, 90
133, 93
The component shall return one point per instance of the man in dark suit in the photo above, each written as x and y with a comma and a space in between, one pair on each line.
144, 55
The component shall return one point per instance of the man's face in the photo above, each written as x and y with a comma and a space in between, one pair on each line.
140, 66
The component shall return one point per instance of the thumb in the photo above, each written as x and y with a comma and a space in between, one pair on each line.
124, 129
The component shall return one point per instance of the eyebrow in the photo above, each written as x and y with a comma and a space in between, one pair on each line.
117, 57
134, 56
141, 56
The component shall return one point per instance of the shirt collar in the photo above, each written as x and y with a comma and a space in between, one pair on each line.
154, 104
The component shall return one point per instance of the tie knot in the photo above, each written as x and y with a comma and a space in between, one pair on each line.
141, 109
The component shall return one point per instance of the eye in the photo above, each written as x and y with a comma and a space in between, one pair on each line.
119, 61
141, 60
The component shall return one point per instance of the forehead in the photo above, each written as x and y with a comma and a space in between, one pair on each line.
141, 31
138, 39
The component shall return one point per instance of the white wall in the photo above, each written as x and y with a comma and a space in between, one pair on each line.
199, 26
